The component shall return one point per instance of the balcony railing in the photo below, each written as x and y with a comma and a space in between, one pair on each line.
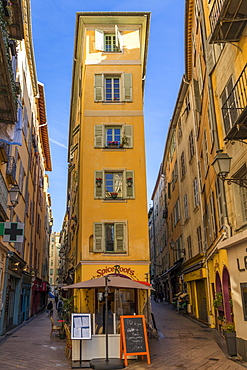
234, 109
11, 170
227, 20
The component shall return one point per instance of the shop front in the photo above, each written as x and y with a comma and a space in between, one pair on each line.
195, 278
123, 299
237, 277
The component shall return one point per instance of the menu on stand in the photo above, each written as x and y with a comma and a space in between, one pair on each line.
81, 326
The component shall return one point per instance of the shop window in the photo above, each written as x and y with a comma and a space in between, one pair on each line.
109, 237
114, 185
243, 287
113, 137
113, 88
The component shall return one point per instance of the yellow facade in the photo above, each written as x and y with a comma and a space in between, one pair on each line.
108, 231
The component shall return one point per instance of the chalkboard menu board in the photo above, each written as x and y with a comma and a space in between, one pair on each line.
134, 337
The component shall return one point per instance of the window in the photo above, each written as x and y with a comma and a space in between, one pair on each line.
109, 237
110, 41
205, 153
183, 168
114, 184
189, 247
191, 145
218, 186
228, 106
186, 207
199, 239
176, 212
195, 192
212, 211
113, 88
115, 136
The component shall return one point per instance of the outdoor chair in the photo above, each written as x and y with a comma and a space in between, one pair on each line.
53, 326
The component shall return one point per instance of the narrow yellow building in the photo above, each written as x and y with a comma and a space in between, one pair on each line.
107, 200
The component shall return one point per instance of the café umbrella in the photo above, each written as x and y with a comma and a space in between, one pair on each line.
107, 281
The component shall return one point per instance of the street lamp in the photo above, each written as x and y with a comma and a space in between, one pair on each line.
222, 164
14, 196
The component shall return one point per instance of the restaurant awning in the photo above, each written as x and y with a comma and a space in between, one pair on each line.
112, 281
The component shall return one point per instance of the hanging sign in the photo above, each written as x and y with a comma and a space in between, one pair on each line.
12, 232
133, 337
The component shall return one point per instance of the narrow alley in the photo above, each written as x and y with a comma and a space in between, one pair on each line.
182, 344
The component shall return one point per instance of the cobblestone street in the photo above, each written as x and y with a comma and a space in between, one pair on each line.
182, 344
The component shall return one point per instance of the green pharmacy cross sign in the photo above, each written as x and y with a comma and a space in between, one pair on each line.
12, 232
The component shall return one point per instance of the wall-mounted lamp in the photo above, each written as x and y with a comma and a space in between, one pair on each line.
222, 164
14, 193
173, 247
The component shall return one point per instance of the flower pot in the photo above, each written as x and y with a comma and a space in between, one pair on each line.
98, 183
62, 335
231, 344
114, 196
129, 183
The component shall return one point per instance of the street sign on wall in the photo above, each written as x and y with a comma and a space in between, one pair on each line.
12, 232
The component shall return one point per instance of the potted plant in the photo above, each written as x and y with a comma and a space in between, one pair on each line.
218, 301
114, 195
112, 144
129, 181
230, 337
98, 182
124, 141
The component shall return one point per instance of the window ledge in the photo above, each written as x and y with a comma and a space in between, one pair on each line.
106, 200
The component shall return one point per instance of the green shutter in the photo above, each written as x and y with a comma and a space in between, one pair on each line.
98, 237
98, 87
128, 135
119, 238
99, 40
98, 190
197, 95
98, 136
127, 86
129, 189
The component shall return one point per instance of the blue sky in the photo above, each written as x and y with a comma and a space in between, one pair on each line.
53, 26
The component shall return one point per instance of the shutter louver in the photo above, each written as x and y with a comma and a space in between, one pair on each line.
98, 237
129, 189
119, 238
99, 40
129, 136
98, 87
98, 136
98, 190
127, 86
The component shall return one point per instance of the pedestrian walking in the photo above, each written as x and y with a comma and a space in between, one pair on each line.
161, 296
56, 298
50, 308
60, 308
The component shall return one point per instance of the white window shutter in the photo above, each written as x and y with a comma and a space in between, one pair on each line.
98, 237
98, 87
129, 189
120, 243
99, 40
118, 38
99, 190
127, 86
98, 136
128, 134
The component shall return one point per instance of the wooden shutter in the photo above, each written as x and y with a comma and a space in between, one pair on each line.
98, 237
127, 87
118, 38
99, 40
119, 237
98, 87
128, 129
197, 95
98, 136
99, 190
129, 190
